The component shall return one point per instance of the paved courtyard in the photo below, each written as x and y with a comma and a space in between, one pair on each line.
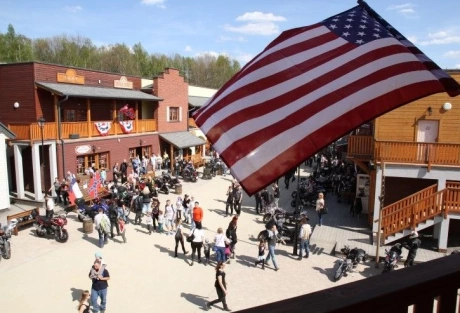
46, 276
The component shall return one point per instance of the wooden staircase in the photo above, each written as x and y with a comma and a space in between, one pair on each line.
419, 211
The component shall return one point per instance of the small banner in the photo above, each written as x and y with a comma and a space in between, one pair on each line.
126, 126
103, 127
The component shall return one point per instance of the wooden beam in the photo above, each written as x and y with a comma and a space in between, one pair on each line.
56, 118
136, 111
114, 115
88, 117
171, 153
363, 166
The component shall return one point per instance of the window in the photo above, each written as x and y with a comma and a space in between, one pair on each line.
72, 115
140, 151
174, 114
99, 160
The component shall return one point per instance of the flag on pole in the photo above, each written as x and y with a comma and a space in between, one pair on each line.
94, 185
309, 87
74, 190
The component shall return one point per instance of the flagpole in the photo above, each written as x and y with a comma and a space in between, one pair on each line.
297, 211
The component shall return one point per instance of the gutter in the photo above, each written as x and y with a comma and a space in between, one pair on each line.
60, 133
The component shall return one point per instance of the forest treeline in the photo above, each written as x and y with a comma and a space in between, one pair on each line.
204, 70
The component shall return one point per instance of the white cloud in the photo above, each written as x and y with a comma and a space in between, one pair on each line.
406, 9
457, 65
452, 54
265, 29
158, 3
188, 49
73, 9
260, 17
244, 57
440, 34
227, 38
412, 39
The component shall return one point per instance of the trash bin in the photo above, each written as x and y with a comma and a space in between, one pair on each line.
207, 173
88, 226
178, 189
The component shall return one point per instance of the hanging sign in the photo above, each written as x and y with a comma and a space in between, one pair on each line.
123, 83
70, 77
82, 149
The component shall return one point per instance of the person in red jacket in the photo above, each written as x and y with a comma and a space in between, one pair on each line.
197, 215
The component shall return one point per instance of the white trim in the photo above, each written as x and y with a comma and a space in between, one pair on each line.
167, 114
180, 114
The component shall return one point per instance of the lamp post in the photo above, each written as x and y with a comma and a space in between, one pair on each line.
41, 123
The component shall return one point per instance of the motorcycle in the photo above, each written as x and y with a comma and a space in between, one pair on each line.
5, 235
52, 226
284, 232
190, 174
392, 257
345, 266
350, 261
170, 180
279, 213
161, 185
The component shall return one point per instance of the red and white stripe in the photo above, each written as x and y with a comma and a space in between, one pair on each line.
304, 92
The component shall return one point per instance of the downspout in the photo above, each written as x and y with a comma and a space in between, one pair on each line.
60, 133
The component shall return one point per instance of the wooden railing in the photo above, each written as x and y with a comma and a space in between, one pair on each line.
191, 122
360, 147
83, 129
428, 287
365, 147
441, 202
409, 200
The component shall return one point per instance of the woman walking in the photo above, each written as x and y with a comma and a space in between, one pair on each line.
231, 234
221, 288
197, 242
220, 241
83, 306
320, 207
179, 238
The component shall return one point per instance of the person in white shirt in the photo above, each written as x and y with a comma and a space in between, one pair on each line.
197, 242
169, 218
102, 224
159, 162
304, 237
153, 161
49, 206
220, 241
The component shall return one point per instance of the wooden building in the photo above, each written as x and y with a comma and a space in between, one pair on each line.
91, 118
413, 156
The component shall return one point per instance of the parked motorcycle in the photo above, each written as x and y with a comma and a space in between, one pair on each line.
345, 266
172, 181
350, 261
284, 232
392, 258
280, 213
52, 226
162, 185
5, 235
189, 174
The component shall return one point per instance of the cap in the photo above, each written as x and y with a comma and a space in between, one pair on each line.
98, 255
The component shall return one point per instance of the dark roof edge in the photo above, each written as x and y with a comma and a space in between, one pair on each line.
6, 131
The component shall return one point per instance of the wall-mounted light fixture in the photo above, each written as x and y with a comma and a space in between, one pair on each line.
93, 148
16, 105
430, 111
447, 106
140, 142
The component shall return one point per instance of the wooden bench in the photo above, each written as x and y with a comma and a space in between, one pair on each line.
26, 214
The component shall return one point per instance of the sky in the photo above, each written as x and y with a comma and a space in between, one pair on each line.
236, 28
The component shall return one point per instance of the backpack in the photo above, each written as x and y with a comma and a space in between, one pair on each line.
105, 225
113, 213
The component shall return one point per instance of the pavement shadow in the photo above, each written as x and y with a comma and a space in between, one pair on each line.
94, 241
165, 250
286, 254
76, 293
245, 260
370, 271
142, 231
220, 200
195, 299
218, 211
314, 249
329, 272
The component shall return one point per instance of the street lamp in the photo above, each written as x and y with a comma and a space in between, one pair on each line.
41, 123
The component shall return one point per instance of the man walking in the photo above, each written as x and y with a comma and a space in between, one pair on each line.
102, 223
238, 199
276, 194
153, 162
258, 197
271, 241
197, 216
287, 178
304, 238
229, 203
412, 246
99, 287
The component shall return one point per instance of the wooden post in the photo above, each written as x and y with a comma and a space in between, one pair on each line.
137, 116
56, 118
379, 229
114, 115
171, 153
88, 116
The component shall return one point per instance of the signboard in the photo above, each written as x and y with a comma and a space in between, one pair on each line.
123, 83
70, 77
83, 149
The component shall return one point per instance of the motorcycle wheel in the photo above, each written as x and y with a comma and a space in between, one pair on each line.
62, 237
41, 233
293, 203
294, 194
338, 274
267, 217
6, 253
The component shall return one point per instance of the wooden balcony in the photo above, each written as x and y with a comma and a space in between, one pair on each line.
366, 148
191, 122
425, 288
83, 129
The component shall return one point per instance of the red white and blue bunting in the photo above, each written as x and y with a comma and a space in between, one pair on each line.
103, 127
126, 126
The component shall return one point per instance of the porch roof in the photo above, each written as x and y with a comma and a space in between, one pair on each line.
182, 139
96, 92
197, 101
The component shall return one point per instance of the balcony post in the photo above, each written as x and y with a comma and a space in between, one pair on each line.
88, 116
114, 115
18, 167
137, 116
56, 114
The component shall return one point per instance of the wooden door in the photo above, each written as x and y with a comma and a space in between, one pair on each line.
427, 132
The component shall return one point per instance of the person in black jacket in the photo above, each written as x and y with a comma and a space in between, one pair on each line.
413, 245
231, 234
230, 200
258, 197
124, 168
113, 217
289, 175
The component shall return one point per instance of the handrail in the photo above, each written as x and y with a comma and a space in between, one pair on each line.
410, 199
419, 286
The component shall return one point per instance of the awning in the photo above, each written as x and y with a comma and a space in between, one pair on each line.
182, 139
197, 101
96, 92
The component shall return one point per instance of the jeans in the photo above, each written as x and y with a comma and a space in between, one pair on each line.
238, 208
102, 238
271, 254
320, 218
145, 208
258, 205
276, 201
95, 294
138, 218
304, 244
220, 254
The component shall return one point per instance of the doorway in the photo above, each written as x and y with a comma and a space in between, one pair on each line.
427, 132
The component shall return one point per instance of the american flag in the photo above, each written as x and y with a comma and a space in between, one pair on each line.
309, 87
